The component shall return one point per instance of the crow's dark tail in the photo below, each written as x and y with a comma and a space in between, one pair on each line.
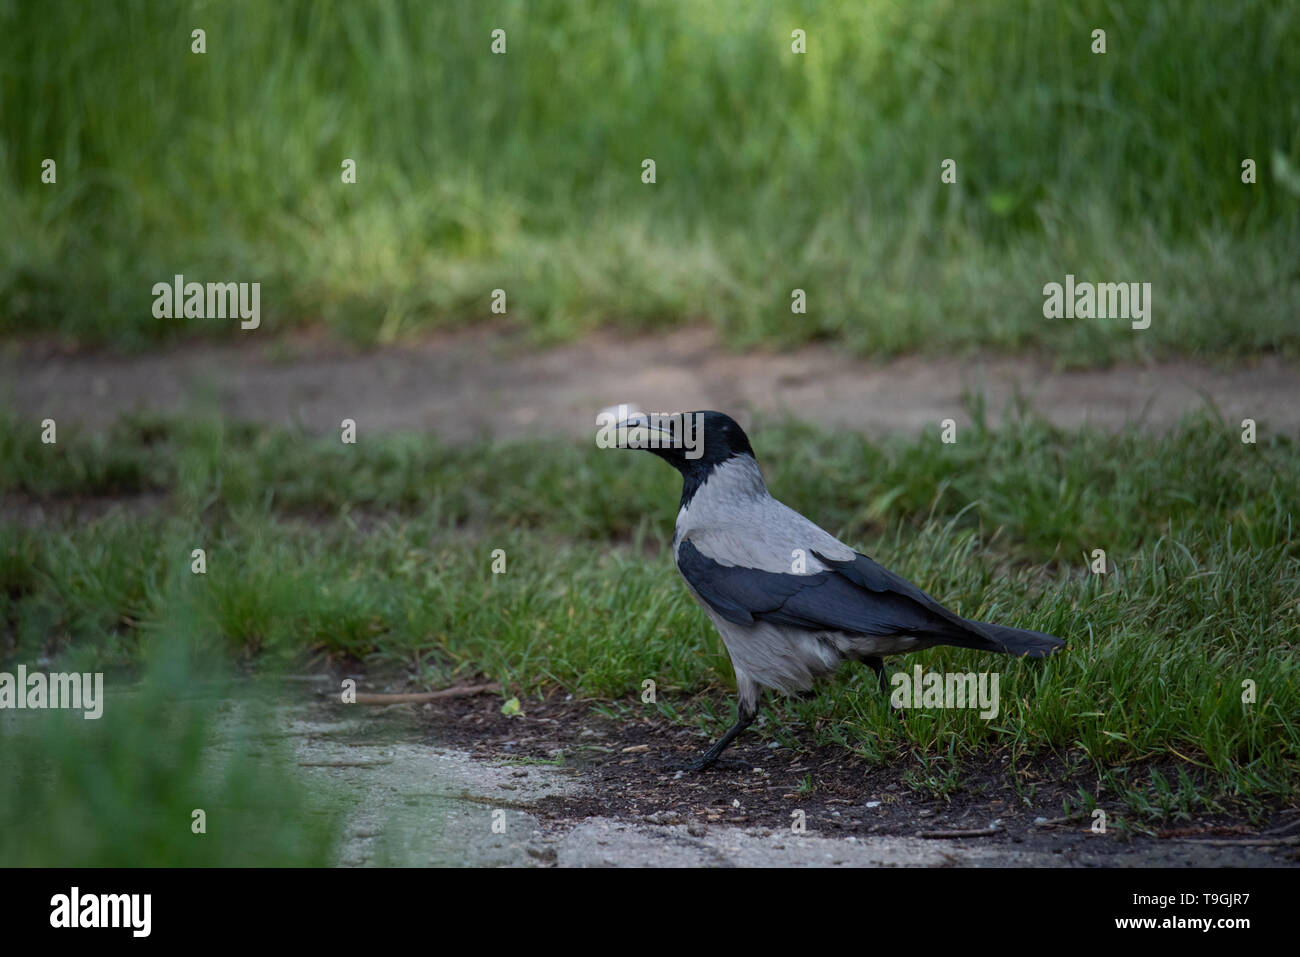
1021, 641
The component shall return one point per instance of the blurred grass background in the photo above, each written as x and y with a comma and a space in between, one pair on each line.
775, 170
121, 790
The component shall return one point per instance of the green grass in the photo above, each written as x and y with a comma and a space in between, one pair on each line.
382, 551
775, 171
122, 790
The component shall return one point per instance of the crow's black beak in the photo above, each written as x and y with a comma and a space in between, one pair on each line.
639, 432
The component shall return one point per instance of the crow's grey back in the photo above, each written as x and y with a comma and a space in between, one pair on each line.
733, 520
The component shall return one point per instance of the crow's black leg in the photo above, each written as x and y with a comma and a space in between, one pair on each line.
744, 718
878, 666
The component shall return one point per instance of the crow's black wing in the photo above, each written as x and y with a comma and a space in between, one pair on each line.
867, 601
878, 579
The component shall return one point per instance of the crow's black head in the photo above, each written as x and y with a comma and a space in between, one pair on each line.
694, 443
689, 441
723, 437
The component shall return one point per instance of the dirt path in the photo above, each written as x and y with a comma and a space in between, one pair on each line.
421, 785
485, 383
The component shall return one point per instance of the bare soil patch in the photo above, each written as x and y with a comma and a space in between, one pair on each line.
488, 382
628, 772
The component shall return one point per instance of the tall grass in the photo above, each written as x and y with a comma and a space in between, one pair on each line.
775, 170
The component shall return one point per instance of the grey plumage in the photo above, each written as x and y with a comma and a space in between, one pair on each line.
790, 601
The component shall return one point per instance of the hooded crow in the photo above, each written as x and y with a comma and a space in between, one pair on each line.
790, 601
